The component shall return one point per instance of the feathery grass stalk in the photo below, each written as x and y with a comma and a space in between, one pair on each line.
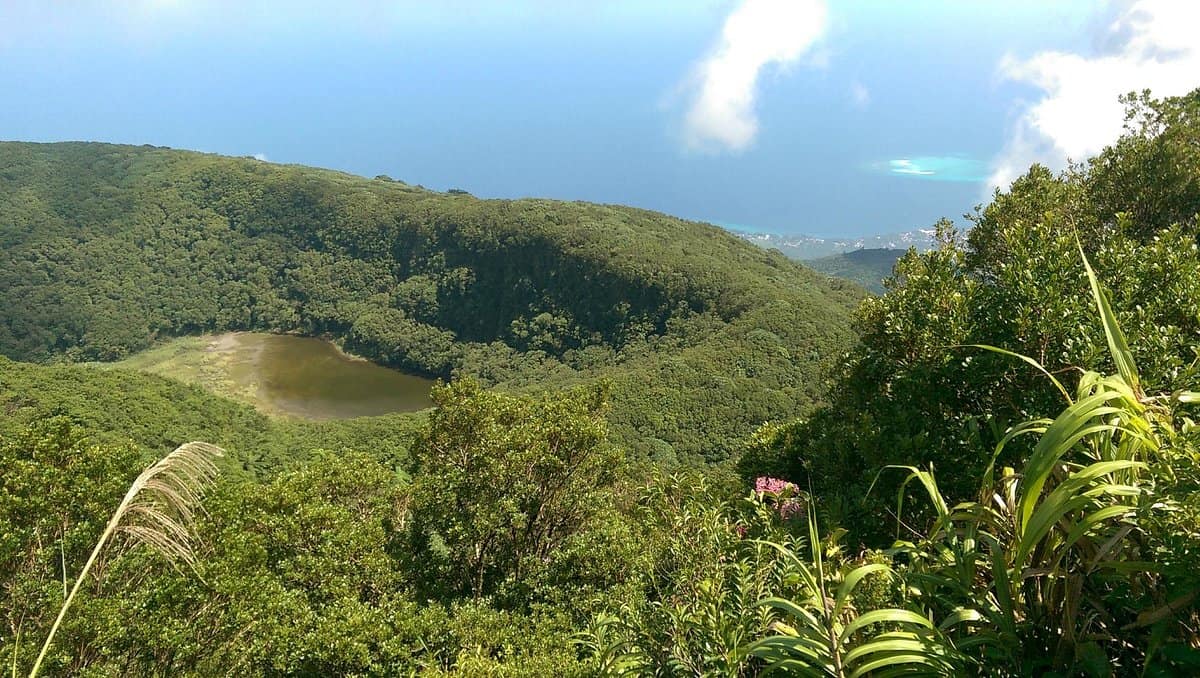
62, 560
16, 649
158, 510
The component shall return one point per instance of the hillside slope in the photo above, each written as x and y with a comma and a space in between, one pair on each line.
867, 267
157, 414
104, 249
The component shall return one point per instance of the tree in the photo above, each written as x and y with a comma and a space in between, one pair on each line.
502, 480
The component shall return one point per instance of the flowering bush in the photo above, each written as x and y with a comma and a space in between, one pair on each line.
775, 486
783, 495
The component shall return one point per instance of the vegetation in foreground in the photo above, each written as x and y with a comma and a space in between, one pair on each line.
1006, 481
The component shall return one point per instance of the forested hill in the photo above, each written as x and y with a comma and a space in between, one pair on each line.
867, 267
105, 249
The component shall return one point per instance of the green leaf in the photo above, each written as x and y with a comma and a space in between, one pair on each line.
1069, 428
929, 661
960, 616
885, 616
896, 643
1026, 359
1118, 347
856, 575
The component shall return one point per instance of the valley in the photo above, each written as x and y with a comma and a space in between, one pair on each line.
108, 249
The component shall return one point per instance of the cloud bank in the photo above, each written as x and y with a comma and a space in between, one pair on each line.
1154, 45
724, 86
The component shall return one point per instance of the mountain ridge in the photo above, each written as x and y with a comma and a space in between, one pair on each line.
806, 247
867, 267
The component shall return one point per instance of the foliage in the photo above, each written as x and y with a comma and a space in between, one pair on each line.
1152, 174
105, 249
305, 574
917, 391
55, 487
691, 609
158, 511
827, 636
1055, 569
502, 482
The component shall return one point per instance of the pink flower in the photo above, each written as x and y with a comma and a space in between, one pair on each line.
790, 508
777, 489
768, 485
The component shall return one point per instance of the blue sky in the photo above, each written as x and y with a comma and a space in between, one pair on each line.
790, 116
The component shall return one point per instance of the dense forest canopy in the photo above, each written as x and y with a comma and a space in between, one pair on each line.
1003, 479
105, 249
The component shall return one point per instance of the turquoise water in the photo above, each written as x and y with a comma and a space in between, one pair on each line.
958, 168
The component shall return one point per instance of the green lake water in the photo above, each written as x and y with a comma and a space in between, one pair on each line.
311, 378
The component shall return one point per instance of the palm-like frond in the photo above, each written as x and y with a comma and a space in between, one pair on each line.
1039, 544
158, 510
827, 636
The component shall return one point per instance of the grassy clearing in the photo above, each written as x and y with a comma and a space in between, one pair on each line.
223, 364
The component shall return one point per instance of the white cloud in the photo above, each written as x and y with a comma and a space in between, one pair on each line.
859, 95
724, 86
261, 157
1077, 114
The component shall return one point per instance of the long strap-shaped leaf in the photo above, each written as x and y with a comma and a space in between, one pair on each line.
1117, 345
886, 616
851, 581
1075, 423
1026, 359
1071, 495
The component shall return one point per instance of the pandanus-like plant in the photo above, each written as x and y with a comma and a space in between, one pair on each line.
158, 510
1042, 549
1044, 570
825, 635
